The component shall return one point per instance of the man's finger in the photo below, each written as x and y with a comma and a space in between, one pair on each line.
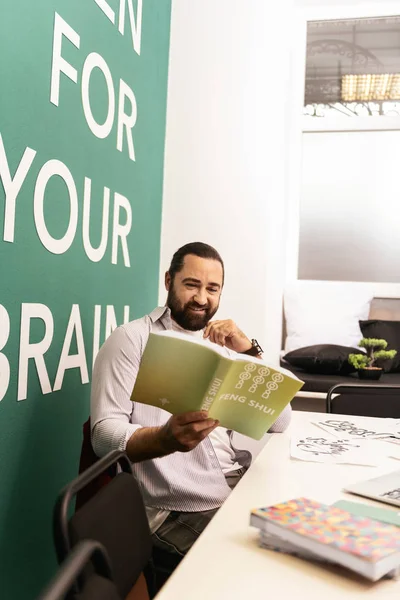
205, 432
212, 326
214, 337
191, 417
201, 425
220, 338
217, 335
208, 328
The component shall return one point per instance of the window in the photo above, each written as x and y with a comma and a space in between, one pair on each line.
350, 207
353, 68
349, 218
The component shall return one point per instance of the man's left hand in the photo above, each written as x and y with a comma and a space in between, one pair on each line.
227, 333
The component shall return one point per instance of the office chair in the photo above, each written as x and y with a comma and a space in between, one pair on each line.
364, 399
116, 517
86, 460
68, 582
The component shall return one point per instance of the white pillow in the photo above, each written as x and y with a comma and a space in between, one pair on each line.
325, 313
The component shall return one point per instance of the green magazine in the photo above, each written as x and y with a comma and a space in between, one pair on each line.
181, 374
372, 512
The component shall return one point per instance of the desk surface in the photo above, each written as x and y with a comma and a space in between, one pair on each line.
226, 562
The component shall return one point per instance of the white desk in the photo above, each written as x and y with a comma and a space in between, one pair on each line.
226, 562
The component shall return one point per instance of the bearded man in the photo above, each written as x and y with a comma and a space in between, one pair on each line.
185, 464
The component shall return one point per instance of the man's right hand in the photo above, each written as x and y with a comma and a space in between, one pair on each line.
182, 433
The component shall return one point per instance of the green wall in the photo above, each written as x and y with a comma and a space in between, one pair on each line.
55, 289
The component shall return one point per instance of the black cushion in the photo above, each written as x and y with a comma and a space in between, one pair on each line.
389, 331
323, 359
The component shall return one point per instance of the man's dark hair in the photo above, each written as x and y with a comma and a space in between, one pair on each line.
198, 249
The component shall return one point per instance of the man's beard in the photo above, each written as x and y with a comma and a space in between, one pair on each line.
186, 318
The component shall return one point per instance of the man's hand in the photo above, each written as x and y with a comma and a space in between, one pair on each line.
181, 433
184, 432
227, 333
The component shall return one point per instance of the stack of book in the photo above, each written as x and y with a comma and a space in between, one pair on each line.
329, 534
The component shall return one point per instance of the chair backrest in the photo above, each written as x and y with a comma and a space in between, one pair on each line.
87, 459
364, 399
97, 584
115, 516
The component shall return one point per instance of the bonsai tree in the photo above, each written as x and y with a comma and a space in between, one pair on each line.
375, 352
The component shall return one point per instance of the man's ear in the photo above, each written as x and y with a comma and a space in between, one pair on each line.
167, 280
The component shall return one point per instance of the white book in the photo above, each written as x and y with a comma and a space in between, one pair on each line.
385, 488
278, 544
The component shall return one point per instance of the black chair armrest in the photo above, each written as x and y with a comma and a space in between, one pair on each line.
72, 567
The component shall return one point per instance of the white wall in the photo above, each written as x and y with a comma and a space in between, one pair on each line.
335, 3
225, 150
233, 146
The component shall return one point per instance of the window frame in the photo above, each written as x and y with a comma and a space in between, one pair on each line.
299, 125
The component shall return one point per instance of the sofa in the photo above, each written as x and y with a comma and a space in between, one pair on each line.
307, 309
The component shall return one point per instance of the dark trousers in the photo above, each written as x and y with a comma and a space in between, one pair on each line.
174, 538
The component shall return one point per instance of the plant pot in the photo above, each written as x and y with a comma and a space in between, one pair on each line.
370, 373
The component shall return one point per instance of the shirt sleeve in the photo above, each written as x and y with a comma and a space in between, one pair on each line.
114, 376
282, 421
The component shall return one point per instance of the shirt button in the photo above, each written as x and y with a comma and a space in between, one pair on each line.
211, 453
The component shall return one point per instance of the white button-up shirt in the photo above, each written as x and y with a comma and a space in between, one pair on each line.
182, 481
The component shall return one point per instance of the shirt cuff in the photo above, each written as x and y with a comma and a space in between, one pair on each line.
112, 434
282, 421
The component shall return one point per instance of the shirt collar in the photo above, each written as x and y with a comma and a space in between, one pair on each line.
163, 314
160, 313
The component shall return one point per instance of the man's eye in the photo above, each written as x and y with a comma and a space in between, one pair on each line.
213, 290
190, 285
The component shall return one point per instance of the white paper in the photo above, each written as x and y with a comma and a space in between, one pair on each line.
354, 427
392, 448
331, 450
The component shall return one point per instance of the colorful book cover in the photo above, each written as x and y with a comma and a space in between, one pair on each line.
358, 535
181, 374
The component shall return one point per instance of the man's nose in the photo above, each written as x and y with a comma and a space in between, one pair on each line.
200, 297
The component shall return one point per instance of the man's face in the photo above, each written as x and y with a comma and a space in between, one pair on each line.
194, 294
